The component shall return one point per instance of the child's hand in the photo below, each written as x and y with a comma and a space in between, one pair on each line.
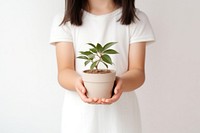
82, 92
117, 93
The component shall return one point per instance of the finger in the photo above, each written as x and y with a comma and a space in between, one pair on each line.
106, 101
113, 99
82, 88
80, 85
102, 100
99, 101
82, 92
84, 97
95, 99
118, 87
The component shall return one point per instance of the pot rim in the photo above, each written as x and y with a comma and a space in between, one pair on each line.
111, 71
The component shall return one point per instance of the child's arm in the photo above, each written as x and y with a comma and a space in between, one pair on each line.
135, 76
68, 78
65, 64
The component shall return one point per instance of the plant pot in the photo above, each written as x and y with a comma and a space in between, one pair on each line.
99, 85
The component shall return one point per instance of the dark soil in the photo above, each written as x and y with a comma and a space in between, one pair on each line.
97, 71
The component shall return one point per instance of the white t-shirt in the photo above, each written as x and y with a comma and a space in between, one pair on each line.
122, 116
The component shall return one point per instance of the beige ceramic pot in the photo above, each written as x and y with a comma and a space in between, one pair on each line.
99, 85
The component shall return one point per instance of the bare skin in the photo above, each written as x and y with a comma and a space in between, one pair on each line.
69, 79
106, 6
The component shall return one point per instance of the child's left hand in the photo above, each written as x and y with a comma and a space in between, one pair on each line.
117, 92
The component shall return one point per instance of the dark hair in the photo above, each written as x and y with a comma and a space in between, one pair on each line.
74, 12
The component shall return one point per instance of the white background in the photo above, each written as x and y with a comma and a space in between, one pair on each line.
31, 98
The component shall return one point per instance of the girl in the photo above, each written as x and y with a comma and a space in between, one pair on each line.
101, 21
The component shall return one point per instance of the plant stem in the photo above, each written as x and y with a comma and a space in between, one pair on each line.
98, 64
96, 67
99, 55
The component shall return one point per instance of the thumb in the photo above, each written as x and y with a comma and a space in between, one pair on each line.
118, 86
80, 85
82, 88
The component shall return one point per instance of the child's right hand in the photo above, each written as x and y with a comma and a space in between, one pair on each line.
82, 92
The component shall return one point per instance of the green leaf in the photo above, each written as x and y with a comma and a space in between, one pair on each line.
86, 52
106, 58
83, 57
93, 50
105, 64
86, 62
110, 51
91, 56
93, 65
91, 45
99, 47
108, 45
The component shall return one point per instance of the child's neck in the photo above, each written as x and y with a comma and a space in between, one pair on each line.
99, 7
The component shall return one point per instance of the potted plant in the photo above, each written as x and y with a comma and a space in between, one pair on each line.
98, 82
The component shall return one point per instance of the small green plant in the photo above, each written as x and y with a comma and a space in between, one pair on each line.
98, 54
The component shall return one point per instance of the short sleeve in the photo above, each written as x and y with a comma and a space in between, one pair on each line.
141, 30
60, 33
